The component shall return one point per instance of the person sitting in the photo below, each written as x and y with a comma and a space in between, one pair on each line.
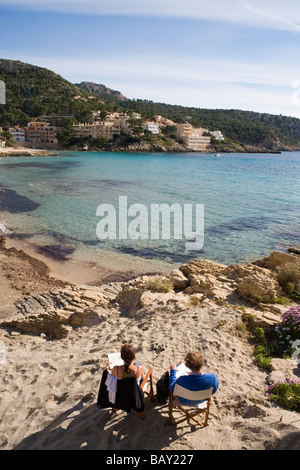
130, 368
196, 380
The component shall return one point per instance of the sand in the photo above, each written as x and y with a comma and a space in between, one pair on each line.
49, 387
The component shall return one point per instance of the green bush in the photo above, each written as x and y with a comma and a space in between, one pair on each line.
288, 276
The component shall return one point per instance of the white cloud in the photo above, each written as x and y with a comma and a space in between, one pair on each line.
275, 14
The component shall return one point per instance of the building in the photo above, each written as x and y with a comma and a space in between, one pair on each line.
152, 127
41, 132
193, 137
18, 133
107, 129
217, 135
162, 121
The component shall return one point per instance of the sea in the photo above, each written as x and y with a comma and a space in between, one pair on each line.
249, 204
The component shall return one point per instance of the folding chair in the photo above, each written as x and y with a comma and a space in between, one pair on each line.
181, 392
147, 387
148, 384
129, 395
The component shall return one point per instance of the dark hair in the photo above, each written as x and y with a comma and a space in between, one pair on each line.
127, 354
194, 360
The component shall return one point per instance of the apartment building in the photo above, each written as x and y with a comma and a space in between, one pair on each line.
107, 129
18, 133
41, 132
193, 137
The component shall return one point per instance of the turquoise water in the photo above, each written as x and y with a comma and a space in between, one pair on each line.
251, 201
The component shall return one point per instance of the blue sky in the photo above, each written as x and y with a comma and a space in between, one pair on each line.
204, 53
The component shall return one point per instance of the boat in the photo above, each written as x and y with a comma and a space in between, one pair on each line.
218, 155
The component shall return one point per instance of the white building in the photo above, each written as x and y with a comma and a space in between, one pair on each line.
152, 127
217, 135
18, 133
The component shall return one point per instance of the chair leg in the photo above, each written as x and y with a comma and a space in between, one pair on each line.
171, 420
142, 415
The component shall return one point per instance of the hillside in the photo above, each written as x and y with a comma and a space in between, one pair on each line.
49, 93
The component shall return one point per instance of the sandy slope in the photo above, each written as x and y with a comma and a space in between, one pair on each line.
48, 389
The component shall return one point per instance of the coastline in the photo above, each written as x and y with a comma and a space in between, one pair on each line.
28, 151
25, 152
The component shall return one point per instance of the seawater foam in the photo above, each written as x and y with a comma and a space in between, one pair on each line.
4, 229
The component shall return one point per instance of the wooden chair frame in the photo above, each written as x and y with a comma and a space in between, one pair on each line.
147, 381
202, 408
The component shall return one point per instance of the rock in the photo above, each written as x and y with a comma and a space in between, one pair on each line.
276, 259
294, 249
201, 266
178, 279
259, 285
283, 364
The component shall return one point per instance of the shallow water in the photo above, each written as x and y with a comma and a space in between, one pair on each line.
251, 201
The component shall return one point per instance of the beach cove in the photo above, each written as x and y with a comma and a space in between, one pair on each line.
96, 294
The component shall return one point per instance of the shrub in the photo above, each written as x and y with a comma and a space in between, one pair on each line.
289, 329
285, 394
159, 284
263, 357
288, 276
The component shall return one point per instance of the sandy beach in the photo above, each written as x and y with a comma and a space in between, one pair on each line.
49, 386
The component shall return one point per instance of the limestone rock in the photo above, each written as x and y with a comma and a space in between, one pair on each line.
276, 259
259, 286
178, 279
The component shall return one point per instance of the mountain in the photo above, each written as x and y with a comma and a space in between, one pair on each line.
33, 91
106, 93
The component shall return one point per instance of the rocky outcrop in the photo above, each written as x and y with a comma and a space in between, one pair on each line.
61, 309
56, 312
276, 259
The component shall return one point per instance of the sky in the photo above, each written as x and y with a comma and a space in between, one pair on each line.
217, 54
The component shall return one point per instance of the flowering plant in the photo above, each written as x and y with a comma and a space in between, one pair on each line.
289, 329
285, 393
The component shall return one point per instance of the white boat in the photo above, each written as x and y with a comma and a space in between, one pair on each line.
218, 154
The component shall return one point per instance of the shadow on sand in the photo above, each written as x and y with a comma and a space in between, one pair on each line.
87, 427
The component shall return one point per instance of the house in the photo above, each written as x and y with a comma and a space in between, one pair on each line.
18, 133
217, 135
152, 127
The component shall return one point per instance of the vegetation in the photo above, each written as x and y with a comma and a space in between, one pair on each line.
286, 394
159, 284
288, 276
274, 341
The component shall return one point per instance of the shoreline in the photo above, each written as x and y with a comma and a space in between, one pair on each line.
89, 270
40, 152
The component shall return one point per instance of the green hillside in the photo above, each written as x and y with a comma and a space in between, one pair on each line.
49, 93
